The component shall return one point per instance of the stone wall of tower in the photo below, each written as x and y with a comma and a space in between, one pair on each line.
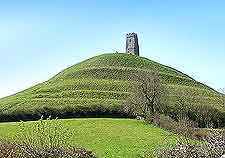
132, 46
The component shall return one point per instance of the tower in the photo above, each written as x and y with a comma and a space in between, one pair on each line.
132, 46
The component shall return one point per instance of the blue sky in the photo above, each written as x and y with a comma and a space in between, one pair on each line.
39, 38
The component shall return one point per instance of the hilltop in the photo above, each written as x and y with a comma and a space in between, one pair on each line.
97, 87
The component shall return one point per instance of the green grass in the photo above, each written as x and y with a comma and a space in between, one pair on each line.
109, 138
102, 81
97, 85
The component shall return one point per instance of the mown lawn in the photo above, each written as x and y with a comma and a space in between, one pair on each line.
111, 138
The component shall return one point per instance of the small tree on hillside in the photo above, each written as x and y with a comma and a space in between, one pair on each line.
223, 99
147, 94
183, 105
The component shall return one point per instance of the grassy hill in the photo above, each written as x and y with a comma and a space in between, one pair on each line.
120, 138
97, 87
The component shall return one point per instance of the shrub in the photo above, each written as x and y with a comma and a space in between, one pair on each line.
7, 150
44, 133
46, 139
13, 150
199, 134
167, 123
212, 147
184, 127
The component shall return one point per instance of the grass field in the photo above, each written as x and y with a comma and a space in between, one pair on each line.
100, 83
109, 138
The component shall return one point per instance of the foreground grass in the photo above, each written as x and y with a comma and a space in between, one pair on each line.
109, 138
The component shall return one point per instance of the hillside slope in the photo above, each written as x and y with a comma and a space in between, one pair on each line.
98, 86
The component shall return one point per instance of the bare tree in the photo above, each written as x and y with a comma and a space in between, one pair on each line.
146, 94
221, 90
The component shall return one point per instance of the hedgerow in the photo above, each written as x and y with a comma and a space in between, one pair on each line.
63, 108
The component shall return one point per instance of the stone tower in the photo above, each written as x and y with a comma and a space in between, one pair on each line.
132, 46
